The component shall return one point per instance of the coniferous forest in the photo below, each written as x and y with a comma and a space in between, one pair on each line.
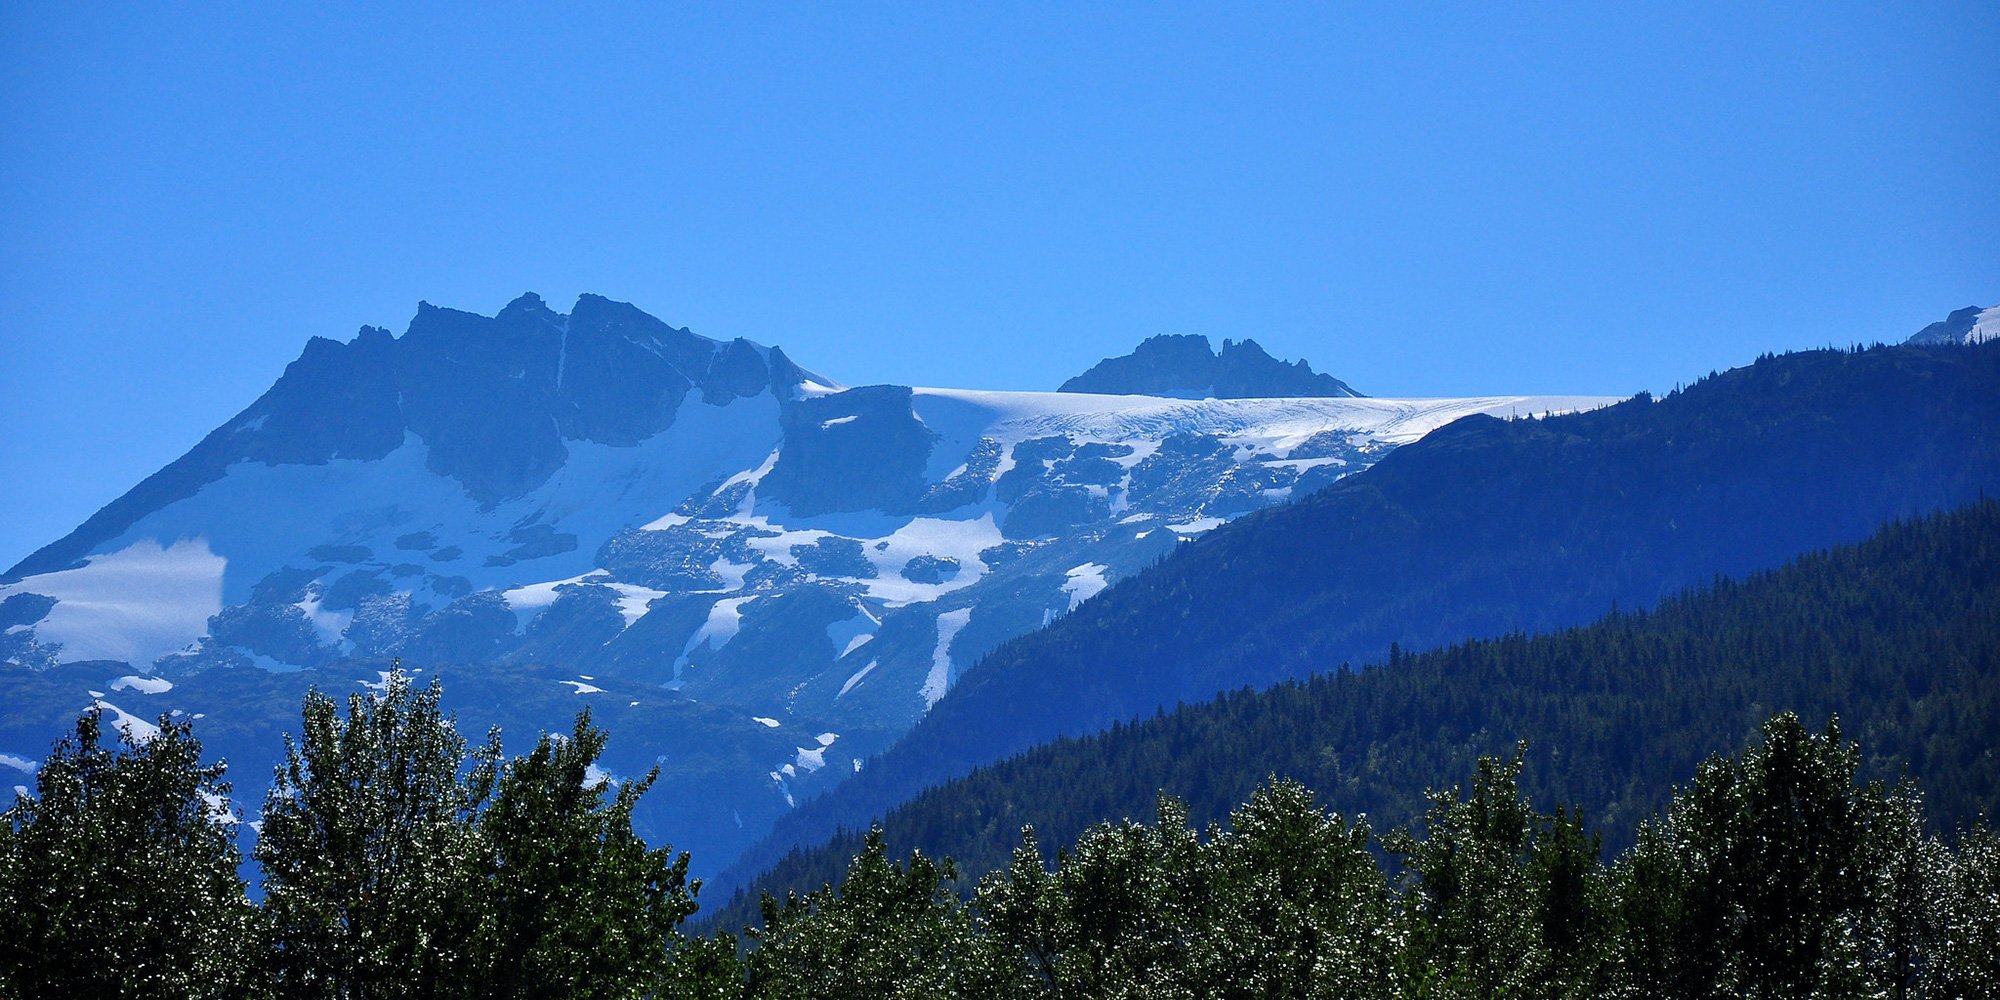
1898, 635
399, 860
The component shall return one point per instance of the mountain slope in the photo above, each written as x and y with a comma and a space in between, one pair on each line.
1482, 528
1970, 325
1898, 635
760, 577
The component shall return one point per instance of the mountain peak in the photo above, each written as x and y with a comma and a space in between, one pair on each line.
1970, 325
527, 302
1185, 365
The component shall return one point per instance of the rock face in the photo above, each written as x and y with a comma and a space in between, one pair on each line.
863, 449
1184, 366
754, 577
495, 401
1970, 325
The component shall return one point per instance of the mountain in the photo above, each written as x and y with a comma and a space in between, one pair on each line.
1185, 366
1483, 528
1899, 636
754, 577
1970, 325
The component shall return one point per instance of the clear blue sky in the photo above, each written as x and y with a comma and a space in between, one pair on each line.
1424, 199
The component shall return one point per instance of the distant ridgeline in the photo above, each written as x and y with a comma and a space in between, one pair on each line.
1483, 528
1898, 636
1185, 365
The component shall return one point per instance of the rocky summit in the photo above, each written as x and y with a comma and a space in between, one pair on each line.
1185, 366
755, 577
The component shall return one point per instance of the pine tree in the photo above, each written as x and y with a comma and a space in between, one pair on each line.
118, 876
1963, 960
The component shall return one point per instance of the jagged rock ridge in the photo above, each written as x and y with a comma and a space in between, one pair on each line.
1185, 366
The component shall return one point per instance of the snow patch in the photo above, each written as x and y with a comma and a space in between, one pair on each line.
766, 722
582, 688
939, 678
725, 619
19, 763
1083, 583
855, 679
331, 625
1985, 327
853, 633
135, 605
143, 684
136, 729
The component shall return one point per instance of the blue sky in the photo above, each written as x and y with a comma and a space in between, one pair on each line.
1422, 199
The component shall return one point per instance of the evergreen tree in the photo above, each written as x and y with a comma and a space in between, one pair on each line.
1119, 915
118, 876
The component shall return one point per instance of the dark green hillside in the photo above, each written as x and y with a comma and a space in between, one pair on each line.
1484, 528
1899, 636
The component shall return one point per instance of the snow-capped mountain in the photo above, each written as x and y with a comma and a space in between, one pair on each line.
755, 577
1970, 325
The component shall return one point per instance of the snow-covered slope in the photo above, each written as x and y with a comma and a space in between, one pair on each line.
802, 569
1970, 325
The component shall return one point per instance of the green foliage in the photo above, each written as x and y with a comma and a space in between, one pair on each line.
1297, 904
1474, 903
368, 848
118, 876
1776, 873
888, 931
1964, 959
570, 901
397, 863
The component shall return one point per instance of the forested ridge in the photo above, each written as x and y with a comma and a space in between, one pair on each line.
1898, 635
1483, 528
